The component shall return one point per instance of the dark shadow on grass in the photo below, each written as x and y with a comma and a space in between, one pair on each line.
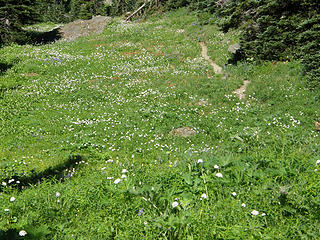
29, 233
4, 67
59, 172
10, 234
36, 38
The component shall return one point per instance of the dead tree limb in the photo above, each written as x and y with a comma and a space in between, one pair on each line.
138, 10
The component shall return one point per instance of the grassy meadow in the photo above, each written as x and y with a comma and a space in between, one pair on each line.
86, 149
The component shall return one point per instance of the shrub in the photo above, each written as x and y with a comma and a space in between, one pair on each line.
277, 30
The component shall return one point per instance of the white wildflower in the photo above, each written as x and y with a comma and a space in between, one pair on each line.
219, 175
243, 205
204, 196
200, 161
117, 181
11, 180
317, 162
22, 233
175, 204
109, 178
6, 210
255, 213
216, 167
12, 199
4, 184
123, 176
124, 171
263, 214
58, 194
234, 194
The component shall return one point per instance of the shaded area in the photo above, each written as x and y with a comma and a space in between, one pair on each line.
29, 232
60, 172
10, 234
35, 37
4, 67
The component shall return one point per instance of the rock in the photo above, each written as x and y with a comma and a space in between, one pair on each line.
234, 48
202, 102
183, 132
237, 53
81, 28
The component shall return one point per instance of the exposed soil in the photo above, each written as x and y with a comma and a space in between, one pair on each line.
217, 69
240, 91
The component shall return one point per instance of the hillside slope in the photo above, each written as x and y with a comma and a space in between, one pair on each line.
88, 152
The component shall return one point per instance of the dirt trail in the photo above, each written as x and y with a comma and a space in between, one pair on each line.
217, 69
240, 91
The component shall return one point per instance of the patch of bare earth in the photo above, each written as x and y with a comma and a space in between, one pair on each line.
240, 92
204, 53
32, 74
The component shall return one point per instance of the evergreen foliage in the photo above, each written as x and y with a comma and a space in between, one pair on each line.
54, 10
85, 9
13, 15
271, 29
278, 30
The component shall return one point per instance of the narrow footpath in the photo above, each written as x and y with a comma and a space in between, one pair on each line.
217, 69
240, 92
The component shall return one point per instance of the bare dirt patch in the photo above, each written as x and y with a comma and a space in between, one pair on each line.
32, 74
204, 53
240, 91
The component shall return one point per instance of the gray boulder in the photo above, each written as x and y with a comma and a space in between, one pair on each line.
234, 48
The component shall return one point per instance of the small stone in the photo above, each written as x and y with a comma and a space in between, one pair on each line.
234, 48
183, 132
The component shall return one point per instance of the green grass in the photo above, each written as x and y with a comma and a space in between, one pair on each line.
43, 27
108, 103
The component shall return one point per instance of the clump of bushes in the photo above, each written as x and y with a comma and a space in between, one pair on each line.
277, 30
13, 14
